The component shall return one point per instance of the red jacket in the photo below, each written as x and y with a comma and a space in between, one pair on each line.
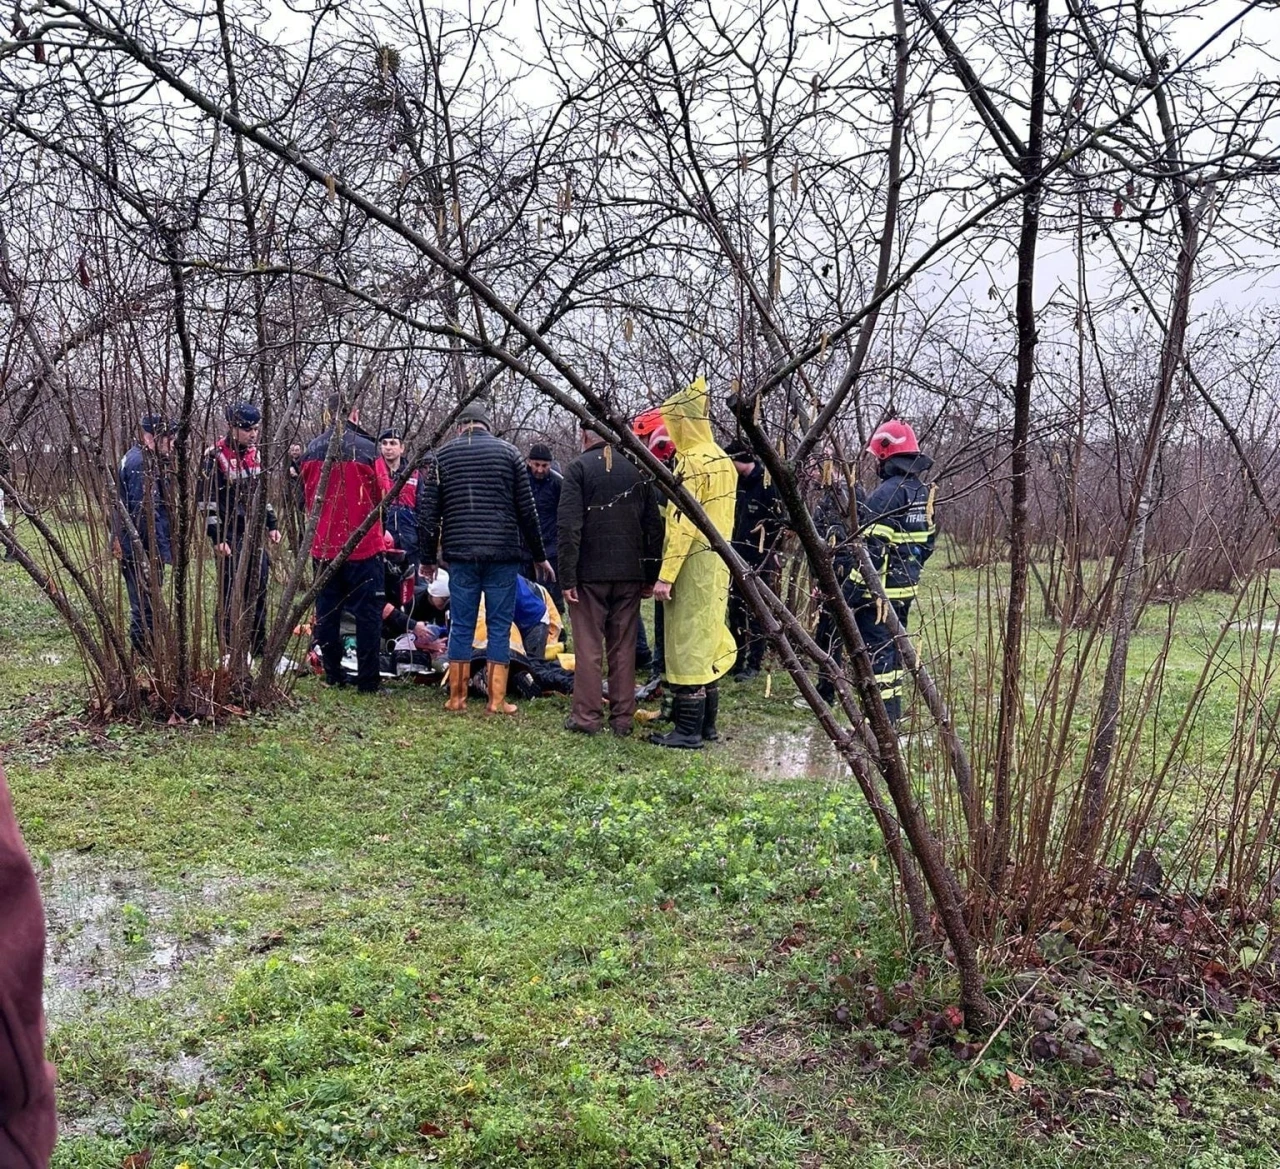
408, 496
28, 1122
353, 491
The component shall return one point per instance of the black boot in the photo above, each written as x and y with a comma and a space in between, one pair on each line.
687, 714
665, 712
709, 713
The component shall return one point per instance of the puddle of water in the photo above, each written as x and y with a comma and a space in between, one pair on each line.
112, 934
798, 754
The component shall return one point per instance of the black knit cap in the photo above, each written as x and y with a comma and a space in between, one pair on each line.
391, 432
540, 453
740, 451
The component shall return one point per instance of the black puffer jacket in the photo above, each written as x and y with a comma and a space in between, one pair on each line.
610, 526
474, 502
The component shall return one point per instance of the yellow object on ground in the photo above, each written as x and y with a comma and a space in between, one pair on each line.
699, 647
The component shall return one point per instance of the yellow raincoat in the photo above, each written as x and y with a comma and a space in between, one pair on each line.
699, 647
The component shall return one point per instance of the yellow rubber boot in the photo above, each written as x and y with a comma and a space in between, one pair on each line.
459, 677
496, 676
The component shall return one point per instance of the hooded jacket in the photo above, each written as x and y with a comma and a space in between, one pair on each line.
28, 1123
897, 522
699, 646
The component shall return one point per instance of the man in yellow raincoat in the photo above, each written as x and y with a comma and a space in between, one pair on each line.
693, 583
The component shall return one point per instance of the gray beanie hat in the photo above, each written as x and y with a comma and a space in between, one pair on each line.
474, 412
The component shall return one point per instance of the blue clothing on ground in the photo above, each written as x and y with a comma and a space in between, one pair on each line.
530, 608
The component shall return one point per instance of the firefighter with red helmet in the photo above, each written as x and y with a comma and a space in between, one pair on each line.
896, 520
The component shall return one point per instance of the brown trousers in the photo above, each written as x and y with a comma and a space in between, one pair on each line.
606, 617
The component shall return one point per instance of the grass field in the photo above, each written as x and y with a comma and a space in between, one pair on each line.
363, 932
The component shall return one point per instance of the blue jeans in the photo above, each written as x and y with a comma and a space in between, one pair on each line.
496, 580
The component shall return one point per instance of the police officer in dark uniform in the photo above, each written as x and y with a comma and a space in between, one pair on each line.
399, 517
231, 482
144, 487
757, 520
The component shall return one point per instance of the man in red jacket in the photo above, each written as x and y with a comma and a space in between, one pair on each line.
352, 491
28, 1123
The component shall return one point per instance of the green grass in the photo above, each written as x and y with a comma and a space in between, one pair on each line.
405, 938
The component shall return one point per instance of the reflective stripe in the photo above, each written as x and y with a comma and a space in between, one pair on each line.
880, 532
890, 683
901, 593
919, 537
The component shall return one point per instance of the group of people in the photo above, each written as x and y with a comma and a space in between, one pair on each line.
486, 539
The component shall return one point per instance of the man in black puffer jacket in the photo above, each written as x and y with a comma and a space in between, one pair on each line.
474, 505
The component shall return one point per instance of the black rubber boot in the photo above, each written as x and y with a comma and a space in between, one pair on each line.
687, 713
710, 711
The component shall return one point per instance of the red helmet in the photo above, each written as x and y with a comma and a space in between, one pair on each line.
893, 438
652, 427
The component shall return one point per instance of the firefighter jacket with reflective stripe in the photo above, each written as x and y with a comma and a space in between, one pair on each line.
896, 520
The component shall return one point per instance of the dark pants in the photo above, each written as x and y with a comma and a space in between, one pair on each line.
745, 624
535, 642
644, 655
604, 621
253, 598
141, 618
357, 586
468, 581
886, 662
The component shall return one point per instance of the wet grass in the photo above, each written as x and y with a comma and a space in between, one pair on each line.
364, 933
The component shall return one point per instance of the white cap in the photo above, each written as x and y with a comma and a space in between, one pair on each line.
440, 586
